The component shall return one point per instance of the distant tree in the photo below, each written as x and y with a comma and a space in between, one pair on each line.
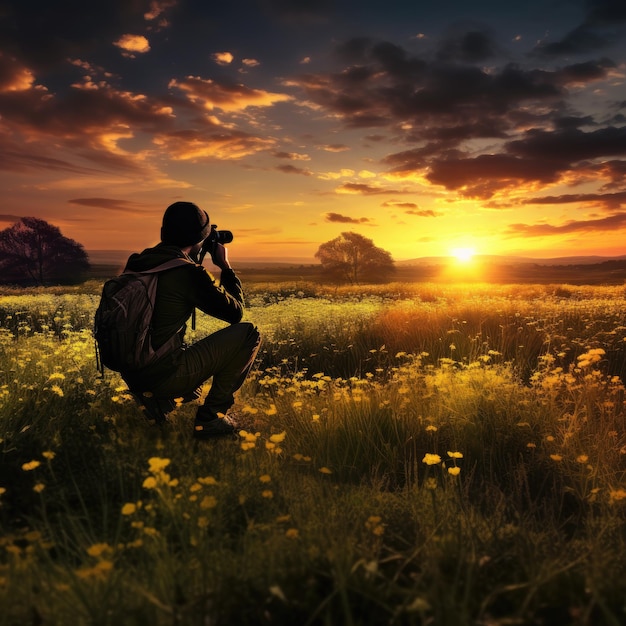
32, 251
354, 258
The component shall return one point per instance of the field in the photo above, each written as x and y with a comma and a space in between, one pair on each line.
413, 453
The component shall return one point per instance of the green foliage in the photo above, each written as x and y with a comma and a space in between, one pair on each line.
411, 455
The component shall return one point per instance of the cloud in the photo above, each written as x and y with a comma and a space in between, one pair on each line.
292, 169
366, 190
344, 219
605, 224
223, 58
213, 94
610, 201
292, 156
598, 30
131, 44
110, 205
207, 145
158, 7
473, 46
10, 219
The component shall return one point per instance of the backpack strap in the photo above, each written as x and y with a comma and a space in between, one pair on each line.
177, 262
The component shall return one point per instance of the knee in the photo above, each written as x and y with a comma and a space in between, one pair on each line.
250, 333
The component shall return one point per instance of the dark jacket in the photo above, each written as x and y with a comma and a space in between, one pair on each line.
181, 289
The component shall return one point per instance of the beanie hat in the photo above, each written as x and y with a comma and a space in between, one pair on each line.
184, 224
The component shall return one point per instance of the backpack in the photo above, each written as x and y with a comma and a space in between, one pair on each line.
122, 321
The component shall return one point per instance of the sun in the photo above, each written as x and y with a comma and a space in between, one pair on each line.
463, 255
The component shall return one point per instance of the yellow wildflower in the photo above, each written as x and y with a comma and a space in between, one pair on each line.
31, 465
157, 464
455, 455
129, 508
454, 471
279, 437
431, 459
325, 470
149, 483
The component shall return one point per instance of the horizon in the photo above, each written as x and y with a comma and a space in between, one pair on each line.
432, 130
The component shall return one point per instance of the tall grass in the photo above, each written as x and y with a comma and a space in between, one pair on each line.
412, 454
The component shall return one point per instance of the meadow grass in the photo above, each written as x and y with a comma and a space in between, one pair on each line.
412, 454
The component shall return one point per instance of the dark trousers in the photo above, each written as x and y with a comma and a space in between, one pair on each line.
226, 355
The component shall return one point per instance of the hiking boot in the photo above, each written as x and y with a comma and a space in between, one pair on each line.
155, 410
191, 396
216, 427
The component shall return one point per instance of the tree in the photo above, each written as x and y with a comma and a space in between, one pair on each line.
35, 252
352, 258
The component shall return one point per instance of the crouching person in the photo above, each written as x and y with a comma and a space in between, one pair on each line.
184, 285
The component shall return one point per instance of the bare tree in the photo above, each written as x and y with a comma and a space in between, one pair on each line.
34, 251
354, 258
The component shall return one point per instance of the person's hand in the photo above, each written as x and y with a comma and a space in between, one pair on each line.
219, 256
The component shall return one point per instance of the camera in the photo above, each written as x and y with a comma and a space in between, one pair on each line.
213, 238
218, 236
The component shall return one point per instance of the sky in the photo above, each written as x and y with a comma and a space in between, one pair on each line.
426, 127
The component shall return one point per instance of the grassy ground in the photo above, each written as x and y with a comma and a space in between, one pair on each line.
413, 454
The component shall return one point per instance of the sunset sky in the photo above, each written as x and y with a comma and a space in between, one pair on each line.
425, 126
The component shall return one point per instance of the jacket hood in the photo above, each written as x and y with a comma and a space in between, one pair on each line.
151, 257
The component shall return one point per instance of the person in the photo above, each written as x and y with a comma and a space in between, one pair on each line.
226, 355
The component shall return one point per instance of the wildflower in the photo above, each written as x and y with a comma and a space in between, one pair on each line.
157, 464
48, 454
98, 549
265, 478
57, 390
31, 465
556, 457
208, 502
39, 487
454, 471
455, 455
207, 480
267, 493
431, 483
582, 458
278, 438
431, 428
325, 470
617, 494
292, 533
129, 508
374, 524
149, 483
431, 459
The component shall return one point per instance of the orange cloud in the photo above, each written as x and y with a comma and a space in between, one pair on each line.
223, 58
131, 44
211, 94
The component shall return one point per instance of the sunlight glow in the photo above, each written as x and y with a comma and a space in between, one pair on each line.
463, 255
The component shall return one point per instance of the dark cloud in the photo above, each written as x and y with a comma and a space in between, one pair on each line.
344, 219
611, 201
366, 190
484, 175
44, 34
110, 204
569, 145
605, 224
599, 30
292, 169
474, 46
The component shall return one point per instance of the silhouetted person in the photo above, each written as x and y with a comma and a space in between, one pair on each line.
226, 355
